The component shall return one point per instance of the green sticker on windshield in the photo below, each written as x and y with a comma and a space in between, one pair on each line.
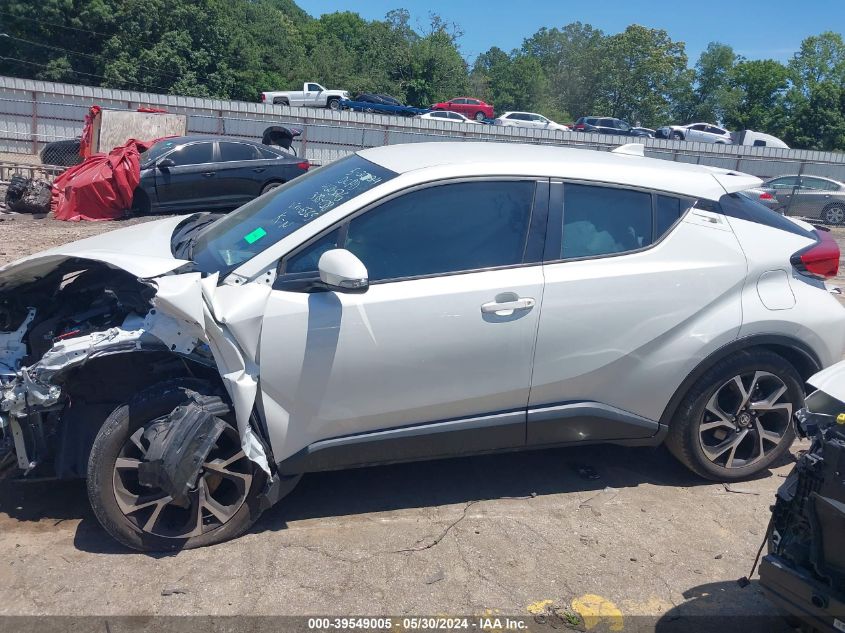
253, 236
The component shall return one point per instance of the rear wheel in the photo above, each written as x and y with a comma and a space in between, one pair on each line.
222, 502
677, 136
479, 116
736, 420
834, 214
281, 101
269, 187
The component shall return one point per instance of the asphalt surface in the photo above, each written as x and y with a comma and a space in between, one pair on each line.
625, 533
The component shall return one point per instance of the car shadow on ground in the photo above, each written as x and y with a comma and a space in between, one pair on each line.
725, 607
386, 488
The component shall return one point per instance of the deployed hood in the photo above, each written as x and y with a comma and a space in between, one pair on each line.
831, 381
142, 250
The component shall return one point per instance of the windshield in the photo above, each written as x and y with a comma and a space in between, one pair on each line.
162, 147
259, 224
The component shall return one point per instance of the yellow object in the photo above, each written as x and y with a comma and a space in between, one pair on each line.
595, 610
539, 607
840, 419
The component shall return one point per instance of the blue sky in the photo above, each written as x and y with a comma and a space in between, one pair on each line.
755, 28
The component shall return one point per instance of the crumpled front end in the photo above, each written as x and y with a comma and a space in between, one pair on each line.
84, 337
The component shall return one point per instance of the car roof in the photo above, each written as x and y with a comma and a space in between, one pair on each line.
522, 112
517, 159
193, 138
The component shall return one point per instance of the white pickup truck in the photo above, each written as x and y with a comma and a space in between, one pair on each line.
311, 96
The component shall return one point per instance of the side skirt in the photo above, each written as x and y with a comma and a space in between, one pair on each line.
546, 427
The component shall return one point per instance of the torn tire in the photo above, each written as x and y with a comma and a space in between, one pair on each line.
25, 195
221, 502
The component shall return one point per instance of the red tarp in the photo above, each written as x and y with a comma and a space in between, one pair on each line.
100, 188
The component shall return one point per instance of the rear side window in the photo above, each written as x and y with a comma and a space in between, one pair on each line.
744, 208
233, 152
444, 229
604, 221
667, 211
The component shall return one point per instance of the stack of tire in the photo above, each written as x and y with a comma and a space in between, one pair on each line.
27, 195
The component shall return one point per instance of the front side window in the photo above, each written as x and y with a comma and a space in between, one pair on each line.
819, 184
254, 227
444, 229
604, 220
194, 154
314, 88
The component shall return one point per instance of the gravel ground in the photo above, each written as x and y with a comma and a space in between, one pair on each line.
509, 534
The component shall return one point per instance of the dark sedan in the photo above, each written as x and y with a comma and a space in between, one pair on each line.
189, 173
608, 125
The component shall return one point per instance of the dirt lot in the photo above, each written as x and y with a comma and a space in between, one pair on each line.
495, 534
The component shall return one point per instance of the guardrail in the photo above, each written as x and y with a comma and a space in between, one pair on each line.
34, 112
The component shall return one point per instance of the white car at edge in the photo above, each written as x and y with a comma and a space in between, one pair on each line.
412, 302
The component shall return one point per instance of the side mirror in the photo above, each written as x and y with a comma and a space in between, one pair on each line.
341, 271
166, 164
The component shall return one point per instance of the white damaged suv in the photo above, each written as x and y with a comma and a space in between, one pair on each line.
412, 302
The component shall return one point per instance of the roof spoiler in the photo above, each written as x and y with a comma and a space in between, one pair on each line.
733, 181
630, 149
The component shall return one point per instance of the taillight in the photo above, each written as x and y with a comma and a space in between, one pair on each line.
579, 126
766, 196
263, 97
821, 259
304, 165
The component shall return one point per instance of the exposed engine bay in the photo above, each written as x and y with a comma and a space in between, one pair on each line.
79, 312
804, 571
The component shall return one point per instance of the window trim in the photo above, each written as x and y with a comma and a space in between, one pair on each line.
532, 254
557, 215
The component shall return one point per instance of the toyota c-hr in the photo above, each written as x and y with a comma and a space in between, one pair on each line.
412, 302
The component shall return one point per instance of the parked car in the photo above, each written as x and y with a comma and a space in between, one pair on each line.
190, 173
757, 139
312, 95
445, 115
468, 106
812, 197
643, 131
607, 125
763, 196
529, 119
381, 99
804, 570
194, 368
700, 132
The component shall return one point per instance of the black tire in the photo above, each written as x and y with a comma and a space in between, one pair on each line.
834, 214
685, 436
147, 406
270, 186
333, 104
676, 136
479, 116
281, 101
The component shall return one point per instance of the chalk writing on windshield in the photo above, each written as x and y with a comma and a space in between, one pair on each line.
327, 197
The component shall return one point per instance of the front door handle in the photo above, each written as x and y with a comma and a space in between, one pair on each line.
208, 174
505, 308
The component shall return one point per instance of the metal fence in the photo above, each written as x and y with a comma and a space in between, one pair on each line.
33, 113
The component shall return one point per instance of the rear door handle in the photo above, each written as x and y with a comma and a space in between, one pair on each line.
208, 174
505, 308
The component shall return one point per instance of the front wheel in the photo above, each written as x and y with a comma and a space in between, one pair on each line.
834, 215
736, 420
333, 104
677, 136
221, 503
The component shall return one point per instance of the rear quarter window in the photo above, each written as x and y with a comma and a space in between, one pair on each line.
743, 208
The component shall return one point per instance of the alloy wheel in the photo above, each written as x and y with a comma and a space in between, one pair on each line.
745, 419
834, 215
220, 491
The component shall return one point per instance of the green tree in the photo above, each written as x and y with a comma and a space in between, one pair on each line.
761, 90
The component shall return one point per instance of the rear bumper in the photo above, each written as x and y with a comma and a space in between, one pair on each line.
799, 594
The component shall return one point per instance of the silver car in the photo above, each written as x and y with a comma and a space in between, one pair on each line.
812, 197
